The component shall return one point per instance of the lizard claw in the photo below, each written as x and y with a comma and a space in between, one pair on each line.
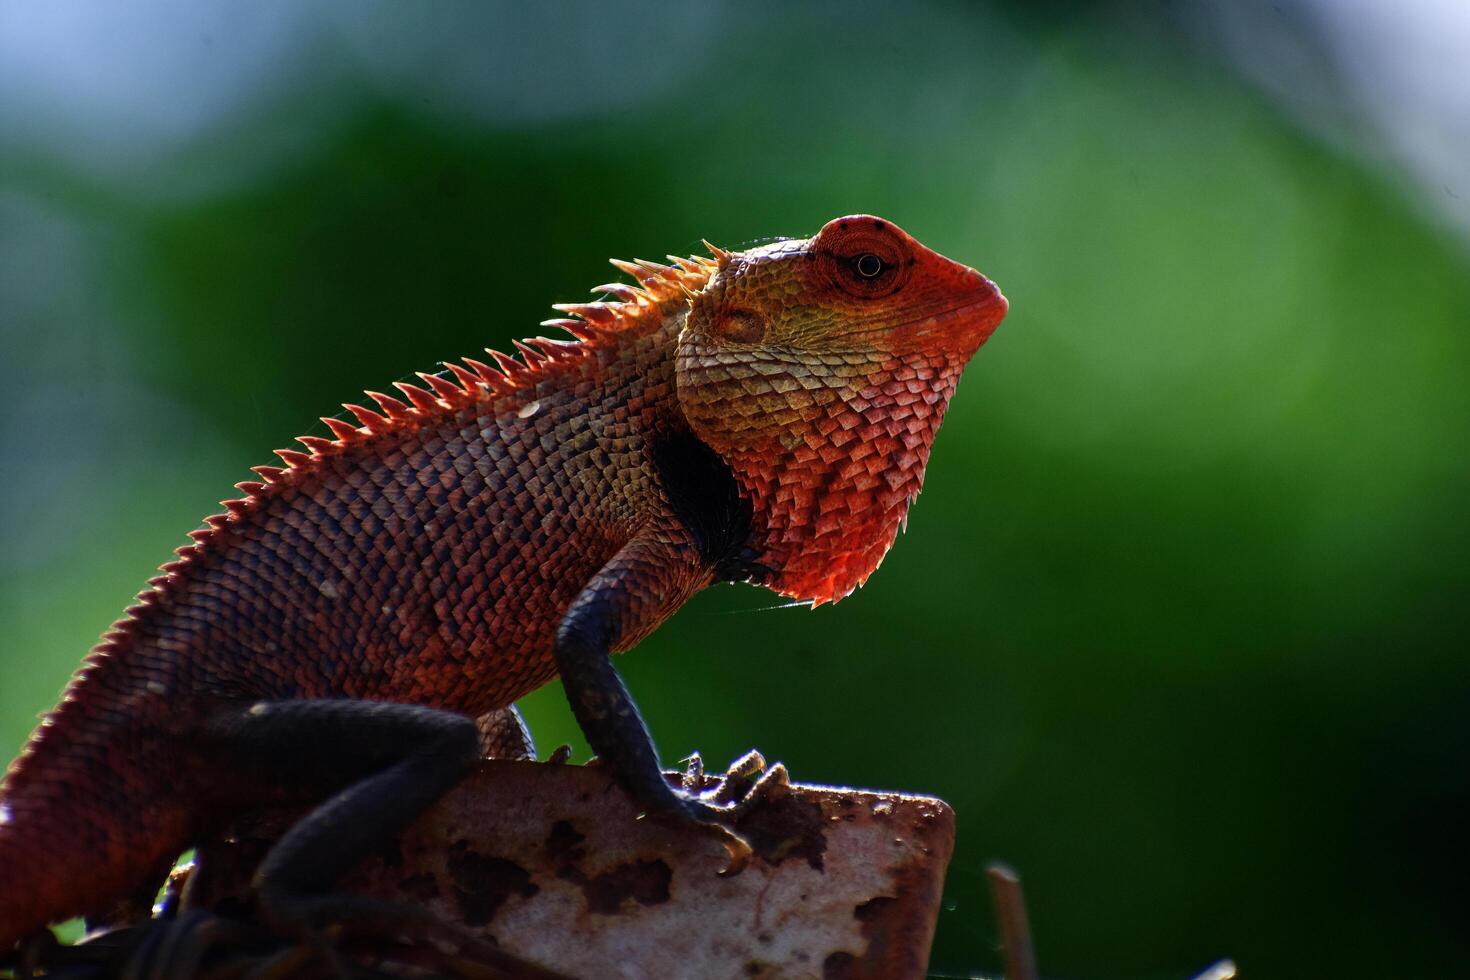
737, 849
693, 774
559, 756
748, 764
694, 813
747, 782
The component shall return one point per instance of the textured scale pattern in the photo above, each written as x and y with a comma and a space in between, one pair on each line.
428, 552
828, 431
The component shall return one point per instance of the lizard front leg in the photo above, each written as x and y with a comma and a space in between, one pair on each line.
641, 586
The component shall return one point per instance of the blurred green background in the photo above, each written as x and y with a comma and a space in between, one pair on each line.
1178, 626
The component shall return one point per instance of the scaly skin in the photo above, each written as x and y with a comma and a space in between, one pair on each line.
762, 416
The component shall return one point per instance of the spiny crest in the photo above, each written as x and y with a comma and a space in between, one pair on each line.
590, 325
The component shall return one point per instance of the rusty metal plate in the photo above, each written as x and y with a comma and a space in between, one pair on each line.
550, 862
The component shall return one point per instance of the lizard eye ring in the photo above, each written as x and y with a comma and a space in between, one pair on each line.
866, 258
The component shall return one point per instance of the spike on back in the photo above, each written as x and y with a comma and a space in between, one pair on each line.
580, 330
488, 375
391, 406
342, 430
508, 365
623, 291
422, 400
721, 257
443, 387
370, 419
293, 459
531, 355
600, 313
317, 445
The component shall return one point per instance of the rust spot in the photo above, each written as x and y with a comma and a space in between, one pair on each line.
645, 882
483, 884
563, 850
888, 928
563, 844
784, 828
838, 966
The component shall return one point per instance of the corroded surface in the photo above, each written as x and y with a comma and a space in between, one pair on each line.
550, 862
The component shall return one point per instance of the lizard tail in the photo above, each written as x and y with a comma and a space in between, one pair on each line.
90, 814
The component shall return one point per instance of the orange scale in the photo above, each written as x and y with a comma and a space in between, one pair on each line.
831, 523
826, 425
831, 502
803, 454
830, 454
907, 398
896, 480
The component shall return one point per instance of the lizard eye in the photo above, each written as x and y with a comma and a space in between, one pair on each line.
866, 257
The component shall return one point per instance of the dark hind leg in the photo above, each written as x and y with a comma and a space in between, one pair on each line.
379, 764
376, 767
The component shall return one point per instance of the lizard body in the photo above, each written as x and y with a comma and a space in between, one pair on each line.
761, 416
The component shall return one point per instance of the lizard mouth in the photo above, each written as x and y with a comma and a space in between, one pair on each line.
961, 328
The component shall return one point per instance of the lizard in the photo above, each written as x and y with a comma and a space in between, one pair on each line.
763, 416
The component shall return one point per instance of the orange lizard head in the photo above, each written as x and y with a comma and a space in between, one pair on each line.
820, 369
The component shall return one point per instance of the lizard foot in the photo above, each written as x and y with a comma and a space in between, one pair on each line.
559, 756
712, 804
747, 782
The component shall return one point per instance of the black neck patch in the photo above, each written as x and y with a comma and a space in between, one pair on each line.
704, 496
